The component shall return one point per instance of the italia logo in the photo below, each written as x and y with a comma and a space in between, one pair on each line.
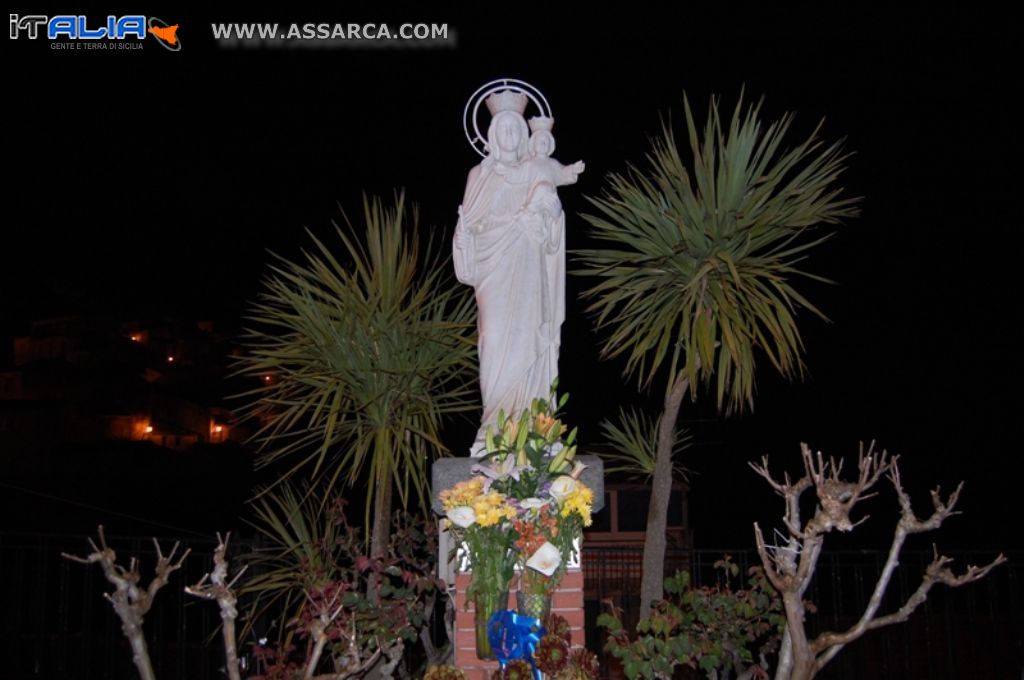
165, 34
79, 27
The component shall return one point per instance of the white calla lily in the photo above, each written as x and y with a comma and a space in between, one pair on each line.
562, 487
546, 559
532, 503
577, 469
462, 516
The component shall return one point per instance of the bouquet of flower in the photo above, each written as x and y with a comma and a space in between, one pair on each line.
533, 468
480, 522
525, 507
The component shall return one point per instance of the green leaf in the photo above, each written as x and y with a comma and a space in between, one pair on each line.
697, 252
709, 662
630, 445
372, 347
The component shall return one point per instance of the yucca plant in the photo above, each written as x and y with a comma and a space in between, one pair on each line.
312, 561
696, 267
360, 356
632, 445
300, 538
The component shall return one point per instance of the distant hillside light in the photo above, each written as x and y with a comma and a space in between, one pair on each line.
135, 337
141, 428
170, 359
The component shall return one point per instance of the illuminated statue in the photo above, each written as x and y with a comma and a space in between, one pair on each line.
510, 246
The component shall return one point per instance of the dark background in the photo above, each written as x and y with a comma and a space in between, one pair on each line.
154, 183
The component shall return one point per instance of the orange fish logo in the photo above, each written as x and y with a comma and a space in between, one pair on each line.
165, 34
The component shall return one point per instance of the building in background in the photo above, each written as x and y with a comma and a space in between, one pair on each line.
75, 379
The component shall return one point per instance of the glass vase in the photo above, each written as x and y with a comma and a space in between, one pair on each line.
484, 606
534, 605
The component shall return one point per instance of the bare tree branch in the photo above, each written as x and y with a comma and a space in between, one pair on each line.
772, 569
935, 572
790, 566
326, 613
130, 602
836, 498
215, 586
790, 492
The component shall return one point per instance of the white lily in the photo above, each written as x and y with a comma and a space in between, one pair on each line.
577, 469
499, 470
545, 560
532, 503
562, 487
462, 516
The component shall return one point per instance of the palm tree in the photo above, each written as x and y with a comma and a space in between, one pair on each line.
631, 446
360, 359
697, 266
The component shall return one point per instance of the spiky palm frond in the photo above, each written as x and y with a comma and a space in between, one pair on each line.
367, 352
633, 443
697, 264
300, 536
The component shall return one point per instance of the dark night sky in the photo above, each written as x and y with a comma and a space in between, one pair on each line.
155, 182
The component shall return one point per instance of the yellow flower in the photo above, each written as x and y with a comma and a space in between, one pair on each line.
491, 508
463, 493
579, 501
494, 515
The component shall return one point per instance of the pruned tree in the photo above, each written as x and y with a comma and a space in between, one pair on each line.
329, 622
129, 599
790, 565
216, 586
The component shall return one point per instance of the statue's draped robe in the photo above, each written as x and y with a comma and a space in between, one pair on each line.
515, 259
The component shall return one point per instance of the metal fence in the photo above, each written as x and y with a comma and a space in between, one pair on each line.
54, 622
975, 631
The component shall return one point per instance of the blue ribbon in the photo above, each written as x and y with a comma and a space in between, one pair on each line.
514, 636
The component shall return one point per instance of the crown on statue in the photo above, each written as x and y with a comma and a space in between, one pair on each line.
538, 123
507, 100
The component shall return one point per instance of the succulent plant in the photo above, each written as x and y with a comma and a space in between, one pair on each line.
557, 626
444, 673
552, 654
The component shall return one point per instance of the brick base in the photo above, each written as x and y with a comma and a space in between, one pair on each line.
566, 602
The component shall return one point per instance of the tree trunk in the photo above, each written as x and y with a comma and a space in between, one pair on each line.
382, 502
802, 657
140, 655
230, 648
652, 582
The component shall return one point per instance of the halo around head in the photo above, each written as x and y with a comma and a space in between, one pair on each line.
470, 115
